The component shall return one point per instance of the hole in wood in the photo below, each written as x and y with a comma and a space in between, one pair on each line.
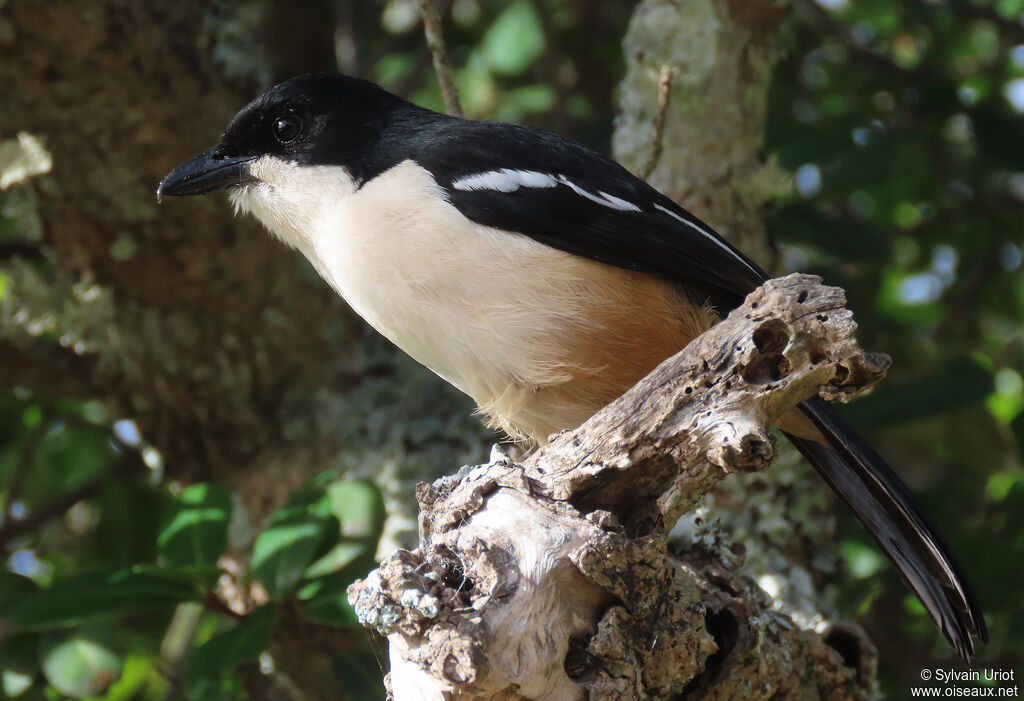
767, 363
848, 646
818, 354
725, 629
453, 574
771, 336
578, 662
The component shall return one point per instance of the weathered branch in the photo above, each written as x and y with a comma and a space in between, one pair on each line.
551, 579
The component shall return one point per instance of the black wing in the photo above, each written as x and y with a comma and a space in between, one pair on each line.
570, 198
595, 208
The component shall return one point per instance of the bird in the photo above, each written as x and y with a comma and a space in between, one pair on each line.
537, 276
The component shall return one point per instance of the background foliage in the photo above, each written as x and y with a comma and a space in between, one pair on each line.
902, 124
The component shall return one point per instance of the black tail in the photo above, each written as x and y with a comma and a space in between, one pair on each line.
880, 501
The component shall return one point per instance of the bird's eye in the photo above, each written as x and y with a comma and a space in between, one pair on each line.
287, 128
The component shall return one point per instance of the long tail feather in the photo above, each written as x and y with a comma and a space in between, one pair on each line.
884, 505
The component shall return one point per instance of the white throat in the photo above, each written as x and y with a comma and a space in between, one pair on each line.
296, 203
382, 247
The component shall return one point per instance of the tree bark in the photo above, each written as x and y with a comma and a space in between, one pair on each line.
720, 53
551, 579
235, 360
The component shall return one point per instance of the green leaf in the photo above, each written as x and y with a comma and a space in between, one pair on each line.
526, 100
861, 559
514, 41
19, 664
325, 600
208, 664
137, 676
81, 663
331, 609
128, 526
1017, 426
1001, 484
32, 415
68, 456
299, 532
13, 589
195, 531
1010, 9
14, 683
363, 675
359, 505
391, 68
107, 595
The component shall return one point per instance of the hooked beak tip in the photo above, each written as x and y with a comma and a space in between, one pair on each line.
209, 171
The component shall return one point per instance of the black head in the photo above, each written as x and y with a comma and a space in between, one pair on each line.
319, 118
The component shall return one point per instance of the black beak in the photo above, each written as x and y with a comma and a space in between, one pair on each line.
209, 171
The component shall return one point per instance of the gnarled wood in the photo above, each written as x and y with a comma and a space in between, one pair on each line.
551, 579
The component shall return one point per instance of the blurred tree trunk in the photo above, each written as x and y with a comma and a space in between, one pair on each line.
235, 360
193, 324
237, 363
720, 55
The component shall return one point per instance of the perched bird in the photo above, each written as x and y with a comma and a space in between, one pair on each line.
538, 277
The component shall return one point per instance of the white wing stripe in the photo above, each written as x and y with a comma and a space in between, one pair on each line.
604, 199
619, 203
708, 235
509, 180
504, 180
